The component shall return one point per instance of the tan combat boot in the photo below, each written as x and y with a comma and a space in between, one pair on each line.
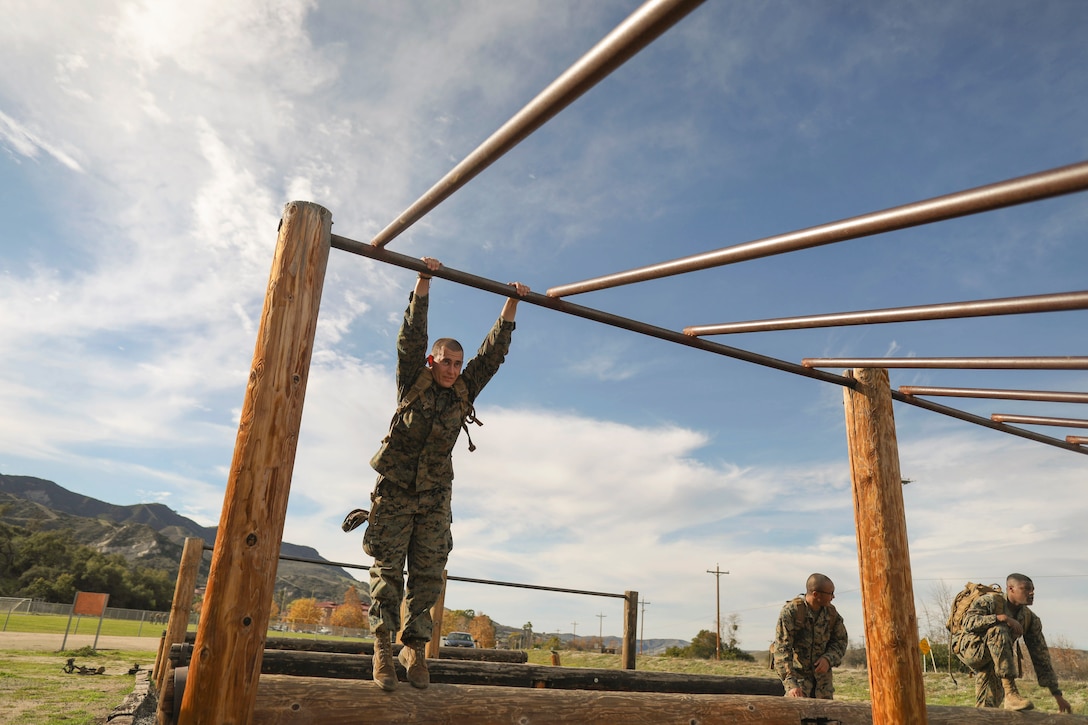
384, 672
414, 658
1013, 699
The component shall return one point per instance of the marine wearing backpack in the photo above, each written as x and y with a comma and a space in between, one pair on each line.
986, 625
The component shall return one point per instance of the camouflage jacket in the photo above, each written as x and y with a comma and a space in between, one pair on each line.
804, 635
982, 614
417, 452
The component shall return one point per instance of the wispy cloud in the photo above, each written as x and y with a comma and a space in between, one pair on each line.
149, 150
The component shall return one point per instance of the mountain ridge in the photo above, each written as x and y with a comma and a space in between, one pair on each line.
153, 535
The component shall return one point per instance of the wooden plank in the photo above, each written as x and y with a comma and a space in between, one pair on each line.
304, 701
887, 591
222, 681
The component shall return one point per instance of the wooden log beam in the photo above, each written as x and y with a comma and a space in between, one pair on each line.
222, 683
323, 664
887, 591
299, 644
285, 700
184, 590
630, 627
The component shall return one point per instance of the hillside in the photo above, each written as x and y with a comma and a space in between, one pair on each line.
150, 535
153, 535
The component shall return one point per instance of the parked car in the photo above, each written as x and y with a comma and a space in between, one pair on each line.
458, 639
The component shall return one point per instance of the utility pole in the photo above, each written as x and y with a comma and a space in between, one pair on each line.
642, 625
574, 630
718, 603
600, 634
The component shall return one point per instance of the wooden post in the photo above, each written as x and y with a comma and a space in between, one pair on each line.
221, 688
887, 591
182, 605
437, 612
630, 627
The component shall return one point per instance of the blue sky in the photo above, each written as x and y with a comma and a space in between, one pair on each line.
147, 151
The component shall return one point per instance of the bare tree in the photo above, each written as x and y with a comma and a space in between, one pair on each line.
934, 612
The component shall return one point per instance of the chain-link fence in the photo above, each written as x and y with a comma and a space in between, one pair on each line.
23, 605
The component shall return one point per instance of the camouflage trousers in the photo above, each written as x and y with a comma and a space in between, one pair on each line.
821, 687
414, 528
990, 657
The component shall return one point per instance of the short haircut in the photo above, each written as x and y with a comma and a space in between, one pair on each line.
1021, 579
446, 343
815, 581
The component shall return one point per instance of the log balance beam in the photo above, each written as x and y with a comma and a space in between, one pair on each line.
285, 700
338, 665
179, 656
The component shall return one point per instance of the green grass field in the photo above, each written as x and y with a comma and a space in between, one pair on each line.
35, 689
56, 624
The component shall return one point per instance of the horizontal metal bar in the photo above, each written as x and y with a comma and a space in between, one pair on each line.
641, 28
1077, 440
986, 422
970, 363
1039, 420
402, 260
533, 298
947, 310
450, 577
1050, 396
534, 586
1041, 185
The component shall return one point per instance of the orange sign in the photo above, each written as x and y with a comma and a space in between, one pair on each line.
90, 604
924, 646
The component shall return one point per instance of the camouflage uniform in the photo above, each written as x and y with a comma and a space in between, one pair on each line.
986, 646
804, 635
410, 513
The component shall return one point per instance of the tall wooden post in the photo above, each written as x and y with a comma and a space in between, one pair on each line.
887, 590
184, 589
221, 688
630, 629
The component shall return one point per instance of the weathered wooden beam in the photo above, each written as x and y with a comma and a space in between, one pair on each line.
182, 604
887, 591
285, 700
323, 664
299, 644
222, 683
630, 627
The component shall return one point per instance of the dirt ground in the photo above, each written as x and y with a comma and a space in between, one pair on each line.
136, 708
53, 642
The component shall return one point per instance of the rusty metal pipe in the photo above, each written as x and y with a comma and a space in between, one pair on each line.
1039, 420
533, 298
640, 28
949, 310
402, 260
971, 363
986, 422
1042, 395
1023, 189
1076, 440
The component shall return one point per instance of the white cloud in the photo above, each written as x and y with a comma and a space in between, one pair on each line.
28, 143
160, 141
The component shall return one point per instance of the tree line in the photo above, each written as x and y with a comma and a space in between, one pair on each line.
49, 566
